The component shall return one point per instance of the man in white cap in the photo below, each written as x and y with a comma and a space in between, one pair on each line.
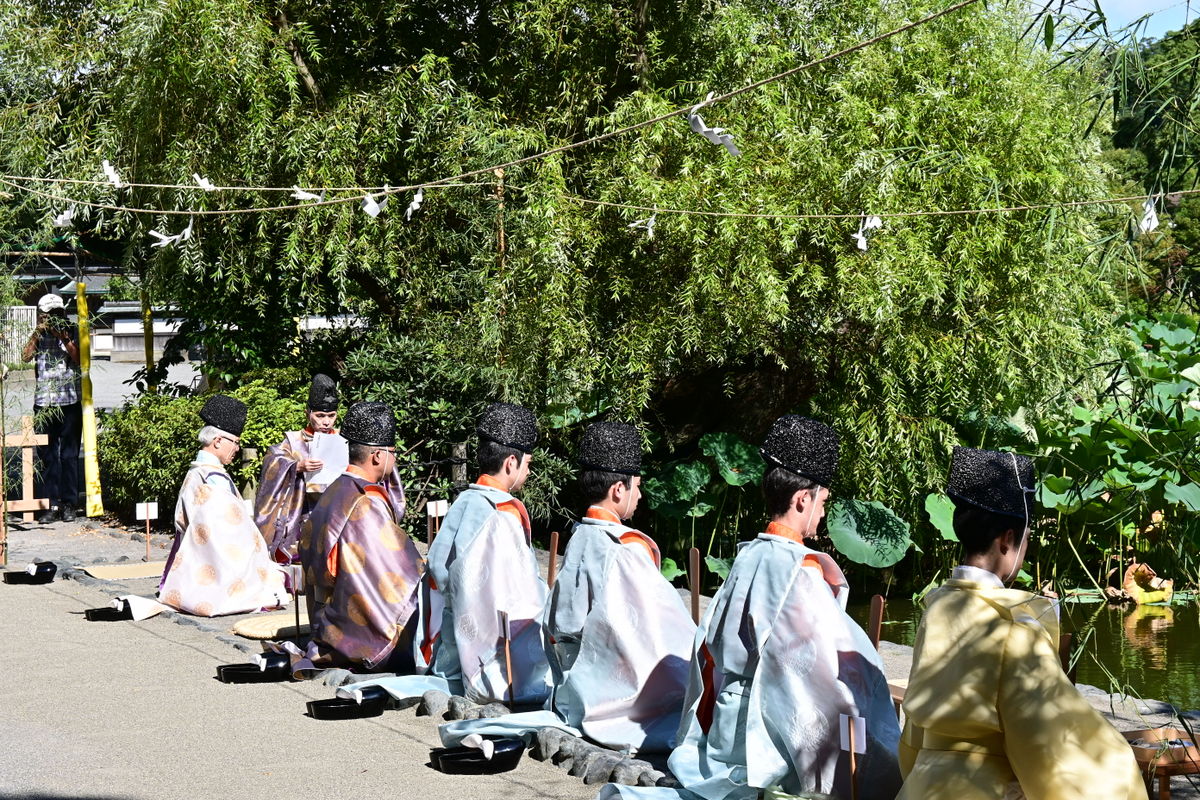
57, 413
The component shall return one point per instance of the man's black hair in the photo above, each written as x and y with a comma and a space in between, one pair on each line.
977, 528
594, 484
779, 487
359, 452
490, 456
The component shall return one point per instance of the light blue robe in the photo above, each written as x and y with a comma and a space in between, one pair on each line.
482, 563
777, 662
622, 641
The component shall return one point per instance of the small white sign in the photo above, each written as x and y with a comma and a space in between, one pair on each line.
437, 508
860, 733
147, 511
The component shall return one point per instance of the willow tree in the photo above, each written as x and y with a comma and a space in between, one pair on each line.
715, 321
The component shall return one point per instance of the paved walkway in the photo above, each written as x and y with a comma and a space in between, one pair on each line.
132, 711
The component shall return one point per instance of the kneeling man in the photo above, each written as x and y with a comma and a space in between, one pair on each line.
622, 637
483, 566
218, 563
361, 571
778, 666
990, 714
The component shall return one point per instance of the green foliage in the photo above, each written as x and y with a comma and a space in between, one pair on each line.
1123, 473
144, 449
867, 532
670, 570
941, 515
745, 317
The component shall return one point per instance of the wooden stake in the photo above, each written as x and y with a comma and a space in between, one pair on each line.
552, 570
853, 762
296, 595
694, 582
875, 625
506, 635
147, 538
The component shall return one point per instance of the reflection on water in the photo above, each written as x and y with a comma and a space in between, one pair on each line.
1147, 651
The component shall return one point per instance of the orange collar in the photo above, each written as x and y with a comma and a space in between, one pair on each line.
596, 512
779, 529
491, 483
357, 471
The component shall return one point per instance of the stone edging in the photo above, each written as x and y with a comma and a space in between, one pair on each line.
579, 757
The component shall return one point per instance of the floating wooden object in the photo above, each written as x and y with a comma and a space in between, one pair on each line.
694, 582
875, 624
552, 569
27, 440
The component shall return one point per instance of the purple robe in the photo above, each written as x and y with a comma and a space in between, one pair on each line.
361, 574
285, 499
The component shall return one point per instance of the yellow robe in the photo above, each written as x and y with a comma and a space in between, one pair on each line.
990, 713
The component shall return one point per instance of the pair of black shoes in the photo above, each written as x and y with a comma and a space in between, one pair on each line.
66, 514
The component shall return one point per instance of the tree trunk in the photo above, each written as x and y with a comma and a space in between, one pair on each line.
284, 26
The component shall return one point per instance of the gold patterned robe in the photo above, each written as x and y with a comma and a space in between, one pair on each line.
218, 563
990, 713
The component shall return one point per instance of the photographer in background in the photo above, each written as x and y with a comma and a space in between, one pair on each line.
57, 394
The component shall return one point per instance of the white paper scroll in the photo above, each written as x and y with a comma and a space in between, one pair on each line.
203, 183
334, 451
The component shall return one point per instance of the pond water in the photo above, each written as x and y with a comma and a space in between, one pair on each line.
1145, 651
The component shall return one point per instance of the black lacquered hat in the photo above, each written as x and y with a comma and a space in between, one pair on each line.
370, 423
611, 447
226, 413
509, 425
322, 394
998, 482
804, 447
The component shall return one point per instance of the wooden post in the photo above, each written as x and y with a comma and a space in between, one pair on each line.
94, 500
552, 569
853, 761
875, 625
147, 538
694, 582
27, 441
506, 635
